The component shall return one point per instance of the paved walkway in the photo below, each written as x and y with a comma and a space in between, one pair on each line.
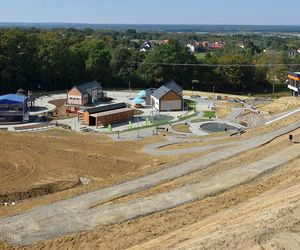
75, 214
234, 114
43, 101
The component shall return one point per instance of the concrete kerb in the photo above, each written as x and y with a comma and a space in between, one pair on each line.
282, 116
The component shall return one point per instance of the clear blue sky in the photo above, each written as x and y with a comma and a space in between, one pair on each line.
152, 11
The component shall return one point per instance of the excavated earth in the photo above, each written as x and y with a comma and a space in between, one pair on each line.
242, 194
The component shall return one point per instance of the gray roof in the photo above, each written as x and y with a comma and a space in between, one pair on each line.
87, 87
106, 108
162, 91
174, 86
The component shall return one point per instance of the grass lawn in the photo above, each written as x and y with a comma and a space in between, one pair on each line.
208, 114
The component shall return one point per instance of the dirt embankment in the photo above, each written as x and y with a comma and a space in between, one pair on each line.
250, 215
34, 164
280, 105
245, 158
38, 191
160, 230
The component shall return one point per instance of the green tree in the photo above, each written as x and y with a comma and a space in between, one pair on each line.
236, 76
161, 64
18, 61
55, 61
98, 62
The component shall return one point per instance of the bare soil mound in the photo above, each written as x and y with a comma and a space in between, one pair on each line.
280, 105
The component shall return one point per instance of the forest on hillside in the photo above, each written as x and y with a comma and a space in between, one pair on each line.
37, 59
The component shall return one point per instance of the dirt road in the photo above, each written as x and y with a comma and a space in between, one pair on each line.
74, 214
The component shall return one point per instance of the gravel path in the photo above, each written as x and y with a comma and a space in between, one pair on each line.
75, 214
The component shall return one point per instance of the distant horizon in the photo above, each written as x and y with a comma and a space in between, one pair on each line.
154, 24
171, 28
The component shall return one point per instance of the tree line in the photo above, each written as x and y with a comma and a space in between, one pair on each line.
35, 59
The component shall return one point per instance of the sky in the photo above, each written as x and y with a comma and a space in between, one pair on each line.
258, 12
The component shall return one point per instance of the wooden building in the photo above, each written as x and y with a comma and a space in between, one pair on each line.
168, 97
112, 117
105, 115
87, 93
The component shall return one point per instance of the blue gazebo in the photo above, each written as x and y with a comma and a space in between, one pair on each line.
11, 100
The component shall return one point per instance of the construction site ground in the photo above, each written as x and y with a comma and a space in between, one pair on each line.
241, 192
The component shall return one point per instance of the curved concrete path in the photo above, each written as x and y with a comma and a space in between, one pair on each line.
75, 214
153, 148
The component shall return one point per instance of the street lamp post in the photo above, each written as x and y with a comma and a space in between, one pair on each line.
129, 84
192, 90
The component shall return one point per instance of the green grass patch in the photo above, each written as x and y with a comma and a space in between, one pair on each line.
191, 105
209, 114
200, 56
183, 118
164, 121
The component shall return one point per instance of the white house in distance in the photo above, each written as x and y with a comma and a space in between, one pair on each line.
86, 93
192, 48
168, 97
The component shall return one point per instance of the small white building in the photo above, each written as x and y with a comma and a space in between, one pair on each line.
192, 48
168, 97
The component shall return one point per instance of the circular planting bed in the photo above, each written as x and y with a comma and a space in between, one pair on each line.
214, 127
181, 128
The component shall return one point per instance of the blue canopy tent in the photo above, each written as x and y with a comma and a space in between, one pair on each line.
142, 94
12, 99
138, 100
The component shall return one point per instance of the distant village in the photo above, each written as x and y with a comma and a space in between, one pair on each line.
193, 45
